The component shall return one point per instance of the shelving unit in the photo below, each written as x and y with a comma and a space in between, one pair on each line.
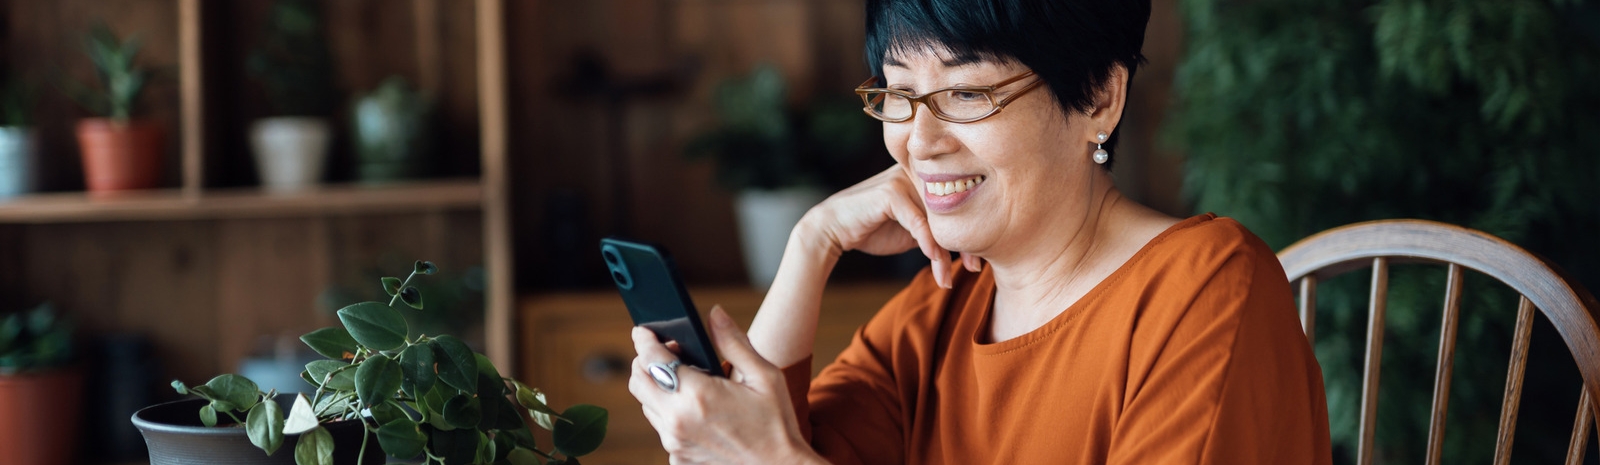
193, 200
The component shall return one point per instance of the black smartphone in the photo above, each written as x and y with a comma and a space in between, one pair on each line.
654, 292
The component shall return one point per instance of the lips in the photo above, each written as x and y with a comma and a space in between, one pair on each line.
944, 193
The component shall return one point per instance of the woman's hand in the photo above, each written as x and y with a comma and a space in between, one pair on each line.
744, 418
882, 215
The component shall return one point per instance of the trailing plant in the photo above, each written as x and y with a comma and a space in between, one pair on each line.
35, 340
293, 62
1302, 115
121, 80
428, 396
760, 142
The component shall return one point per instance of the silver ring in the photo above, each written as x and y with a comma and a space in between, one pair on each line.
665, 374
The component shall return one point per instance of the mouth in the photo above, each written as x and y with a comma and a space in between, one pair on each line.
947, 188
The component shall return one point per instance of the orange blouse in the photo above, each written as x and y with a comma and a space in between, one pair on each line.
1190, 353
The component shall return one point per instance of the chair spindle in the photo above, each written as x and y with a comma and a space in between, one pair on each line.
1447, 356
1580, 430
1308, 307
1513, 396
1369, 389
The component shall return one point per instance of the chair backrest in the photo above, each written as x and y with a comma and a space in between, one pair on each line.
1377, 244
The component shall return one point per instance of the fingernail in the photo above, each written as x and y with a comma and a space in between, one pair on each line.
719, 316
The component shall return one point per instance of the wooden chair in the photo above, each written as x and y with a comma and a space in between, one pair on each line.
1379, 243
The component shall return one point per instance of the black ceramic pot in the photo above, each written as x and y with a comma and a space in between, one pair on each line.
175, 436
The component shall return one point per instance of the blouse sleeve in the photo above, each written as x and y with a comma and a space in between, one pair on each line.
1230, 380
852, 412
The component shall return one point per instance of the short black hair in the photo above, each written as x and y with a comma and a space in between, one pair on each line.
1070, 44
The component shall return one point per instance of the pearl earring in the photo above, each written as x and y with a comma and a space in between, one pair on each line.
1100, 154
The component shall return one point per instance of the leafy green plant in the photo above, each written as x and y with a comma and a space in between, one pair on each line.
427, 395
1302, 115
34, 340
293, 61
16, 102
121, 80
760, 142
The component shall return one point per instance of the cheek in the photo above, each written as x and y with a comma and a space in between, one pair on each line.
894, 139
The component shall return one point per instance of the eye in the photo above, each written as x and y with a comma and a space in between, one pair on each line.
966, 96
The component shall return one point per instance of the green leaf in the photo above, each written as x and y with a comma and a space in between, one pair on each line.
332, 342
416, 363
503, 444
342, 381
463, 411
457, 364
387, 411
208, 415
521, 456
236, 390
412, 297
315, 448
581, 430
425, 267
434, 403
264, 426
302, 417
401, 438
506, 417
306, 375
391, 286
375, 325
377, 379
524, 438
183, 390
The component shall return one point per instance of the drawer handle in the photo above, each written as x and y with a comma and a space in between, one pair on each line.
603, 367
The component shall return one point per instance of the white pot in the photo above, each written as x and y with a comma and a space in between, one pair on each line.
765, 219
17, 157
290, 151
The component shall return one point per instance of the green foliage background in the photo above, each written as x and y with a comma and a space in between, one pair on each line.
1302, 115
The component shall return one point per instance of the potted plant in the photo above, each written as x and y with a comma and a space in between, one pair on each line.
776, 158
391, 132
379, 392
39, 388
295, 67
18, 141
120, 152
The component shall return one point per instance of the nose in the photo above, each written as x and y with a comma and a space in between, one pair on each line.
928, 136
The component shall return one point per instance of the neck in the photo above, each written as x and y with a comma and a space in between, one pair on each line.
1048, 271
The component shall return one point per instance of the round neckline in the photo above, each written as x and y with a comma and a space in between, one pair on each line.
987, 285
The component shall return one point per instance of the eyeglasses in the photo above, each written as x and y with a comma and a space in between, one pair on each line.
959, 104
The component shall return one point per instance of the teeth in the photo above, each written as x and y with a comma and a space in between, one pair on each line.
951, 187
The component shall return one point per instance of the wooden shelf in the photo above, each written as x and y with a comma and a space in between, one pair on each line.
175, 204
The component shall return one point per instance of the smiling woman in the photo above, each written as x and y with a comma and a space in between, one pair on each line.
1080, 326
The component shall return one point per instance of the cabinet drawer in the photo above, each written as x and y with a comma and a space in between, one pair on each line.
577, 348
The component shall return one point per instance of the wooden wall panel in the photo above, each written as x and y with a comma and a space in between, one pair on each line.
43, 43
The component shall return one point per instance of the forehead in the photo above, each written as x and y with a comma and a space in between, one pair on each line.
938, 56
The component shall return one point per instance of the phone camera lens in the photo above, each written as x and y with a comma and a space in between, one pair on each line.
611, 256
622, 279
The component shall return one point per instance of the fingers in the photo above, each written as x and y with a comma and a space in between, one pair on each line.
972, 262
734, 345
915, 221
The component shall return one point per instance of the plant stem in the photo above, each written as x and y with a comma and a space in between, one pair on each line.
402, 288
361, 458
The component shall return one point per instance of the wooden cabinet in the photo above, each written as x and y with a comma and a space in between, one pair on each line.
576, 347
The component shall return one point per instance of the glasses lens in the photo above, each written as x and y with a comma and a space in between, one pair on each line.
888, 105
962, 104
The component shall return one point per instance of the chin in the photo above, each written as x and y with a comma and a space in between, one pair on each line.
955, 235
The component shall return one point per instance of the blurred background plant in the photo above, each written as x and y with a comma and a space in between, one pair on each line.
35, 340
761, 141
1299, 115
293, 62
121, 79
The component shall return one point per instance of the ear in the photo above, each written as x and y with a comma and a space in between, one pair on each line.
1109, 101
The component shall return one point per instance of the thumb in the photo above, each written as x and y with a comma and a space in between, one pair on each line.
734, 344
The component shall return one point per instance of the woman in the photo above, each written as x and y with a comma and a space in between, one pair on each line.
1079, 326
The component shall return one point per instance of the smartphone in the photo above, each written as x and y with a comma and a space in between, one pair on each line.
654, 292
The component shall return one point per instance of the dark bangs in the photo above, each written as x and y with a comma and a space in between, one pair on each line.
1070, 44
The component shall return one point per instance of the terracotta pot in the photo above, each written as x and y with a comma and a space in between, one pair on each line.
121, 156
39, 416
175, 436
